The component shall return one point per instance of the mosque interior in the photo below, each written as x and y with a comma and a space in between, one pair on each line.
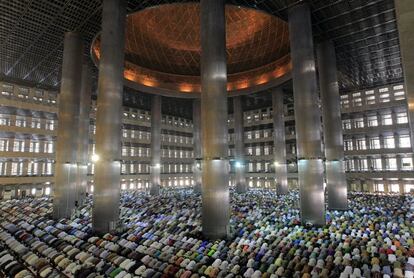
191, 139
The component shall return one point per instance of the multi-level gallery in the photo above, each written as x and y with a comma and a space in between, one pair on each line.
204, 139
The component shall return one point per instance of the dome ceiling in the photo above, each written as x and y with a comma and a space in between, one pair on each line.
162, 47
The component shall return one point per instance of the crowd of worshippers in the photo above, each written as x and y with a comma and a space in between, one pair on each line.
162, 237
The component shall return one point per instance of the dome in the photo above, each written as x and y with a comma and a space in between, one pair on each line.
163, 49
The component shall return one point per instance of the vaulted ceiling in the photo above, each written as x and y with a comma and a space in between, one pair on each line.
364, 32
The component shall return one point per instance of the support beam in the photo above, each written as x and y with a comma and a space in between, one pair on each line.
332, 127
155, 168
404, 10
240, 162
279, 142
215, 177
66, 148
197, 145
105, 211
307, 116
83, 133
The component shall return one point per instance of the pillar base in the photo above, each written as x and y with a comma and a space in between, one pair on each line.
106, 197
197, 188
104, 227
241, 188
113, 228
312, 195
282, 189
155, 190
64, 193
401, 189
215, 199
337, 187
155, 184
339, 209
81, 184
240, 177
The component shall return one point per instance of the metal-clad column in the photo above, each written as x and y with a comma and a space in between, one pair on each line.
215, 176
332, 127
307, 116
105, 217
404, 10
279, 142
197, 145
83, 133
240, 163
66, 147
155, 168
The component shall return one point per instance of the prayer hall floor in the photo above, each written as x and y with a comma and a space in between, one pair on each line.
162, 238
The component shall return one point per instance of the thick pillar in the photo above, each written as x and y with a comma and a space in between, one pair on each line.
105, 217
307, 116
279, 142
332, 127
155, 167
384, 163
197, 145
369, 162
68, 115
386, 186
83, 133
26, 165
215, 177
240, 163
399, 161
358, 186
401, 187
404, 10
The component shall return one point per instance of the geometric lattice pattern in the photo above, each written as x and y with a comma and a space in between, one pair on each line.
167, 39
364, 32
31, 36
365, 35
